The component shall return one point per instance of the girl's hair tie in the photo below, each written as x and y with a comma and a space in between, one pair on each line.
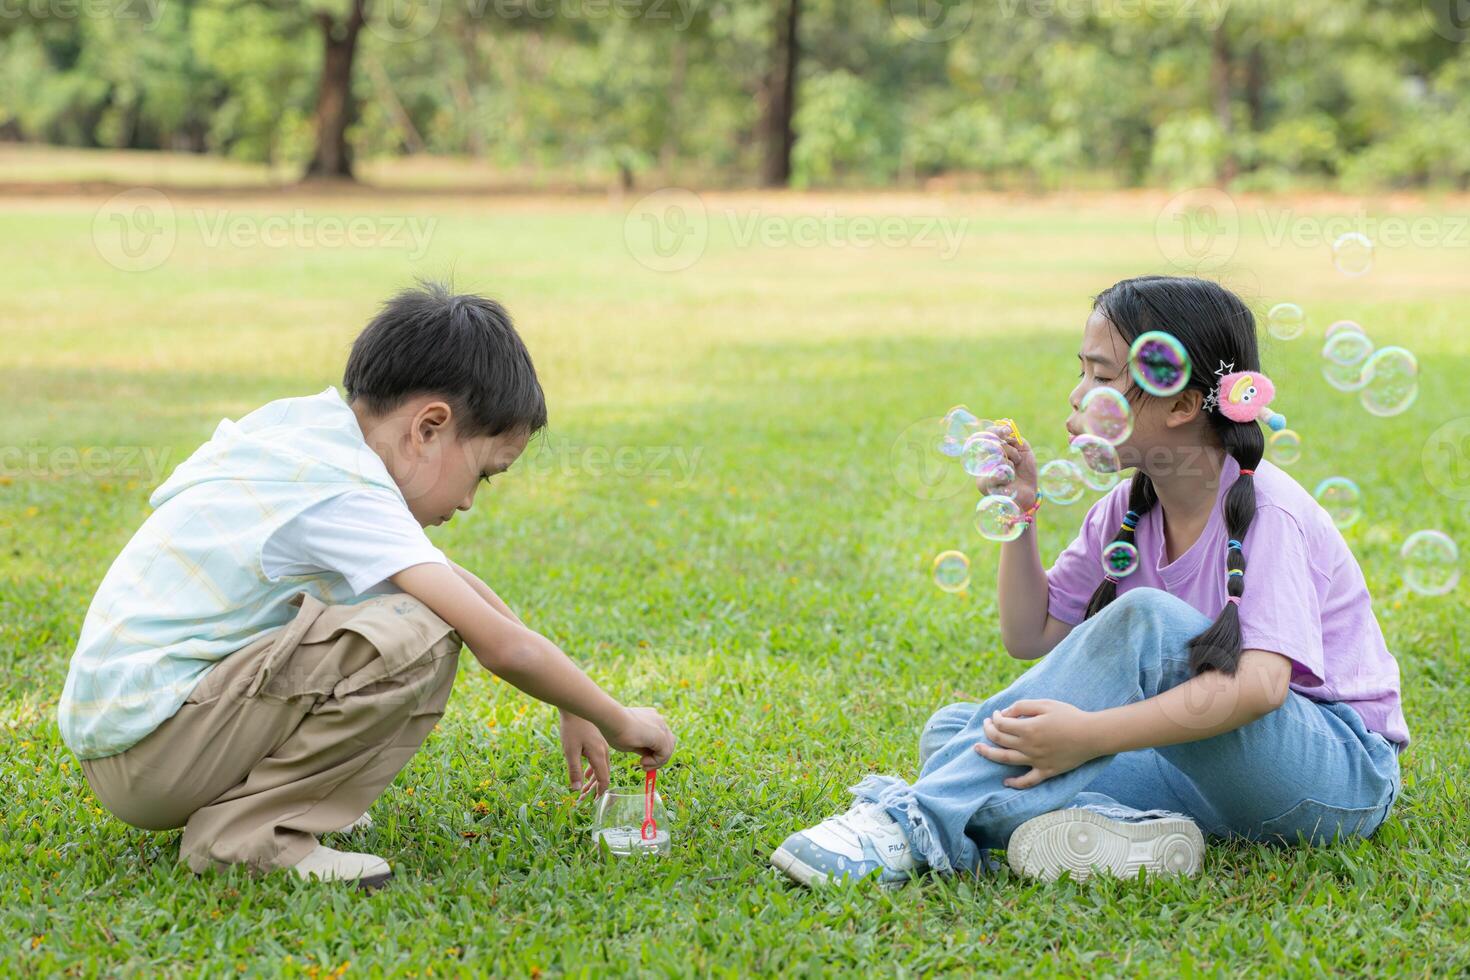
1235, 571
1233, 600
1109, 578
1235, 545
1130, 520
1247, 472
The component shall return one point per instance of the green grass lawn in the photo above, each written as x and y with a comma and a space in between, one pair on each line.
716, 523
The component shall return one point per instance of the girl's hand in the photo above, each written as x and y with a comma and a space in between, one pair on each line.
1023, 461
1052, 737
581, 740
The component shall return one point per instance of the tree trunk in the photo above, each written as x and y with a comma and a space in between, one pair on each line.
1255, 87
776, 133
1220, 68
334, 106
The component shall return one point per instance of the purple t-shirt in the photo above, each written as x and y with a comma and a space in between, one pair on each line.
1304, 597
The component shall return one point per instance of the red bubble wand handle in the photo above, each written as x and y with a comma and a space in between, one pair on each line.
650, 825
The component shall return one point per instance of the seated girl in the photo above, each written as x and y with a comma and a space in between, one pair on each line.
1198, 693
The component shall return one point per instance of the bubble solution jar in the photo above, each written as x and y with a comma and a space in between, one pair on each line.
619, 824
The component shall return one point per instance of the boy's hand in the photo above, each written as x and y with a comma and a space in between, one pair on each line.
645, 733
1052, 737
580, 740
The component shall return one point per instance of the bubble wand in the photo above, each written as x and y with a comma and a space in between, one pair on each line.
649, 829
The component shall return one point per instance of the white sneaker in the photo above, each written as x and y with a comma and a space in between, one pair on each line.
861, 842
1083, 841
364, 822
368, 870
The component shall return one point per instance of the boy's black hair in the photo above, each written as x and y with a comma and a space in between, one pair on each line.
1216, 328
464, 347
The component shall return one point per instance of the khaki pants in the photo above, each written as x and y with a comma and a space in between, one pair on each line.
294, 735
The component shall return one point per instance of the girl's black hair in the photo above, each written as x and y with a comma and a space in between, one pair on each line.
1216, 328
465, 347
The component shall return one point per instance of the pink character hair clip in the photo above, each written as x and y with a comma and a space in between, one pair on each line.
1243, 396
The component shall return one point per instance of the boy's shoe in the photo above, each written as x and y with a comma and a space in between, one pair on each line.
1079, 841
368, 870
364, 822
863, 841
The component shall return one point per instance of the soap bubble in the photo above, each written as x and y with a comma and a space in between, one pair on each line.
980, 451
1107, 415
1284, 447
1343, 357
1097, 460
1060, 481
1352, 253
958, 424
998, 518
1338, 325
1431, 562
951, 571
1286, 321
1159, 363
1119, 559
999, 477
1342, 500
1390, 381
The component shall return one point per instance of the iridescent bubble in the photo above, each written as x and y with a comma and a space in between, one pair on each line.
1286, 321
1106, 414
951, 570
1431, 562
1342, 500
1337, 325
1060, 482
999, 477
958, 424
1343, 357
1159, 363
1119, 559
1390, 381
1284, 447
1097, 460
980, 451
998, 518
1352, 253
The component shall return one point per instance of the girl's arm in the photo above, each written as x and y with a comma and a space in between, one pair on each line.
1026, 628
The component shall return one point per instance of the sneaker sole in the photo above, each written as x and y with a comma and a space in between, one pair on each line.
1082, 841
802, 873
372, 883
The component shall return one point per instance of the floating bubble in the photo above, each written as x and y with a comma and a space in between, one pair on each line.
951, 570
1338, 325
958, 424
1352, 253
1431, 562
1159, 363
980, 451
1097, 460
1286, 321
998, 518
999, 477
1107, 415
1060, 482
1343, 357
1342, 500
1284, 447
1390, 381
1119, 559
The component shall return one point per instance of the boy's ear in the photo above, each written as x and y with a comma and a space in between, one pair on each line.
432, 420
1185, 408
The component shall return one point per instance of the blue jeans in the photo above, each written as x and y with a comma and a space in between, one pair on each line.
1309, 770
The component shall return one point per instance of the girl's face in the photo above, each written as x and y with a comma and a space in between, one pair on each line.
1158, 423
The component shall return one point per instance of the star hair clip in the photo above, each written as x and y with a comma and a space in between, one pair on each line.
1243, 396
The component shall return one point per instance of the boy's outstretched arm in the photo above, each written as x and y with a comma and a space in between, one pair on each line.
484, 591
533, 663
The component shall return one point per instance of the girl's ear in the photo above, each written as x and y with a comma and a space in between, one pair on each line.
1186, 407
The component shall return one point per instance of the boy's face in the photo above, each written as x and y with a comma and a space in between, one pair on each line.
437, 470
